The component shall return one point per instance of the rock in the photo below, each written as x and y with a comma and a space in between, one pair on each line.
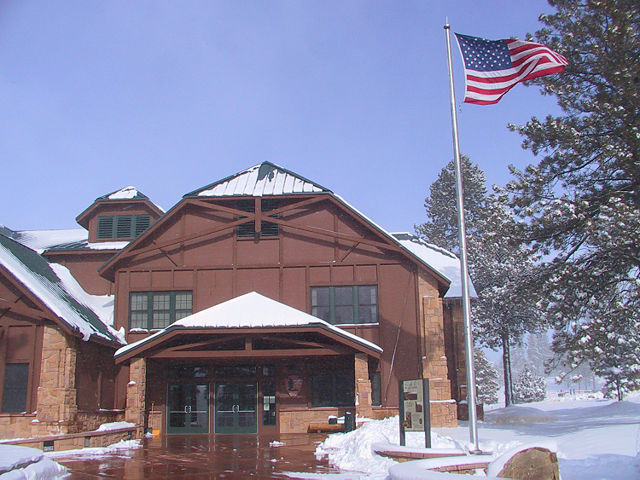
535, 463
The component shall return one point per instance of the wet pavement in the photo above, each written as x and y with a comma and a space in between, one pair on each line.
203, 457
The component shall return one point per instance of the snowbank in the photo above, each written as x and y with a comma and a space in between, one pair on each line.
18, 463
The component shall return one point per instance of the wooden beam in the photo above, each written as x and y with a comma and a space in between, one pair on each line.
311, 352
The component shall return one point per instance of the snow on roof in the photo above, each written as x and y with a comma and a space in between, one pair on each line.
439, 259
57, 289
86, 245
41, 240
124, 193
262, 179
251, 310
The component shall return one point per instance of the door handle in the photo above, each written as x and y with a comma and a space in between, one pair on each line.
187, 409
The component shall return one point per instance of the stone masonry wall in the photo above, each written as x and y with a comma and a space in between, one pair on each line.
136, 391
363, 385
434, 359
56, 405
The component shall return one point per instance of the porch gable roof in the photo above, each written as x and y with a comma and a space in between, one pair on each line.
249, 312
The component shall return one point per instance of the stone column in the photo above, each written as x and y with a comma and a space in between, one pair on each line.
363, 385
56, 400
136, 394
434, 363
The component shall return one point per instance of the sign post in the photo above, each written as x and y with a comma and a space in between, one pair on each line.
415, 410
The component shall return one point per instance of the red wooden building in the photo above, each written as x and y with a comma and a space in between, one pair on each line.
260, 304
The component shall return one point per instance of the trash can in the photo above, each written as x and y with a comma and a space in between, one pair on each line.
349, 422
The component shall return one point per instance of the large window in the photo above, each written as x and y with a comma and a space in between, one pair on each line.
338, 305
122, 226
267, 229
332, 389
158, 309
14, 392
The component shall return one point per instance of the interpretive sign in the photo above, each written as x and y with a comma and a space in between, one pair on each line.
414, 409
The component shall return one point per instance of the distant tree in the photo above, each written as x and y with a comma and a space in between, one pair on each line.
529, 387
486, 378
441, 227
581, 200
539, 351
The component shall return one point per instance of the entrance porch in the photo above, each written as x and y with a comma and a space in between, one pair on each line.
285, 371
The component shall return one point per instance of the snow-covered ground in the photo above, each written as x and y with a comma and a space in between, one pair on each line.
596, 439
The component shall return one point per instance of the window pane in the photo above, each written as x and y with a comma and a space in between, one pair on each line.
139, 301
161, 301
343, 295
161, 319
344, 389
368, 314
322, 389
323, 313
344, 314
138, 320
180, 314
14, 396
320, 296
368, 295
183, 301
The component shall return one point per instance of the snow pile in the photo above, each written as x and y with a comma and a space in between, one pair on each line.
17, 463
114, 426
98, 452
354, 451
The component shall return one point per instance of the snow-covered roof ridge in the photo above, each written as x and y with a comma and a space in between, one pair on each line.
265, 178
251, 310
128, 193
443, 261
58, 290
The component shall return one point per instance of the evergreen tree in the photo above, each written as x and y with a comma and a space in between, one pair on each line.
441, 227
581, 200
538, 352
502, 272
498, 264
529, 387
486, 378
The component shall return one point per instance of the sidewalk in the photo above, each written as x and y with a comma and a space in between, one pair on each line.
203, 457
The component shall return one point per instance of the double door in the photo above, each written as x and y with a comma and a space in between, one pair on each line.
235, 407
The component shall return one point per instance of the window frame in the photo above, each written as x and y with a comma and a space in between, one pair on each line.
122, 226
356, 304
174, 313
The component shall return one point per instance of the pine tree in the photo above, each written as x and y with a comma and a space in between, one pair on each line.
486, 378
538, 352
581, 200
441, 227
502, 271
529, 387
499, 264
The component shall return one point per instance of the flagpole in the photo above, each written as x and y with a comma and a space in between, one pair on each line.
466, 304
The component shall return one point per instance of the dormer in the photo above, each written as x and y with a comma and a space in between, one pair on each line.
119, 216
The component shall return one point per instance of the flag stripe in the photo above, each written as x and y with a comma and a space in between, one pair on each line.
487, 79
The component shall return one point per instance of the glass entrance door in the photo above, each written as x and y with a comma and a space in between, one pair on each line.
188, 408
236, 407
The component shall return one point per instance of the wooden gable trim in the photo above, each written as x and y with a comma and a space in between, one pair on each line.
83, 218
167, 335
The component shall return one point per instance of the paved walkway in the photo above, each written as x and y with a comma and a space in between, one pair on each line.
203, 457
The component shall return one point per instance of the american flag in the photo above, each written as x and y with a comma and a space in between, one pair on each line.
493, 67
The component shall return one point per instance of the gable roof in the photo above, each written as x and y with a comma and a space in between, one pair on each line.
265, 178
67, 301
249, 311
442, 260
128, 194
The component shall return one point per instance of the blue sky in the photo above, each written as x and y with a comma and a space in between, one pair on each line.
170, 96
